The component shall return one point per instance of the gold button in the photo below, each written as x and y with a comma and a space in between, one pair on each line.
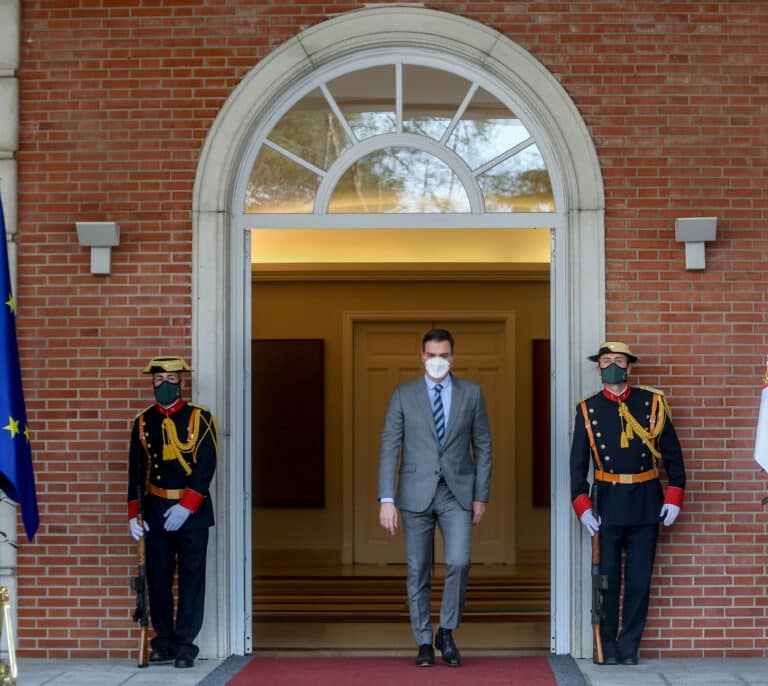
602, 446
599, 435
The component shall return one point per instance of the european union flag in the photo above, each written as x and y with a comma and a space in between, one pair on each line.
16, 477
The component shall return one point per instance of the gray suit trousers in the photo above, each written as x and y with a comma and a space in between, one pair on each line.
419, 529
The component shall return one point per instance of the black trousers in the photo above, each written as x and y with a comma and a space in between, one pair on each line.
165, 551
638, 545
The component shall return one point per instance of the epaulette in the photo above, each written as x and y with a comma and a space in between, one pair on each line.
587, 397
662, 400
141, 412
199, 407
651, 389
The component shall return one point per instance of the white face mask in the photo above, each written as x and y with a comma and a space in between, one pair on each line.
437, 367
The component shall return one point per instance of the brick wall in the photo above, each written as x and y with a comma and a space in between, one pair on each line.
116, 100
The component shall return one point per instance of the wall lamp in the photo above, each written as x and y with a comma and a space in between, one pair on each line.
694, 232
100, 237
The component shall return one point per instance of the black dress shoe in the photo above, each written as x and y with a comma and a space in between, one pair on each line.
158, 656
184, 661
444, 643
631, 660
426, 656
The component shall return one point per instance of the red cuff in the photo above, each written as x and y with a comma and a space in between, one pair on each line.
133, 509
191, 500
674, 496
582, 504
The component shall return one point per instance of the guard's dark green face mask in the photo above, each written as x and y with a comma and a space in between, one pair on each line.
613, 374
167, 393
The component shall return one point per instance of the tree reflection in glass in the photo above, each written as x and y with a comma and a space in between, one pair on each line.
518, 184
311, 131
399, 180
366, 98
278, 184
444, 108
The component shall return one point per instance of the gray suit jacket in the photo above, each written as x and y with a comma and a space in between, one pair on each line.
464, 457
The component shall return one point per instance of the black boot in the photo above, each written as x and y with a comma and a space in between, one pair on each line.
445, 644
426, 656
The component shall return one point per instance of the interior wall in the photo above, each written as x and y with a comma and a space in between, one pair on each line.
314, 309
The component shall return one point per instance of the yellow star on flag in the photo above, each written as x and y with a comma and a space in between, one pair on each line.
26, 432
12, 426
10, 304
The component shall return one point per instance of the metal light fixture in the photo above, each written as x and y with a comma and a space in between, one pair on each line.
101, 237
694, 232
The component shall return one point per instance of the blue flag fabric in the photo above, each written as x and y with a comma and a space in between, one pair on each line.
17, 479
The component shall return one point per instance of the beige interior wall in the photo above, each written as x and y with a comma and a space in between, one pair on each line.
314, 309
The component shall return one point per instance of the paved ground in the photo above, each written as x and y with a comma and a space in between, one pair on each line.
680, 672
109, 673
670, 672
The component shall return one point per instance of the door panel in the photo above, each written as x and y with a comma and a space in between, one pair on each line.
484, 355
387, 353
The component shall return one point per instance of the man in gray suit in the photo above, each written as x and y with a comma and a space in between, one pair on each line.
441, 424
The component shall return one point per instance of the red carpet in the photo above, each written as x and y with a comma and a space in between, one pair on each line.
378, 671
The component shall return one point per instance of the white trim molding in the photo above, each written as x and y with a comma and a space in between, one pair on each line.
10, 46
221, 270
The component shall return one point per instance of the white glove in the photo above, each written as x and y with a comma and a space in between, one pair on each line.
175, 517
136, 531
589, 521
669, 513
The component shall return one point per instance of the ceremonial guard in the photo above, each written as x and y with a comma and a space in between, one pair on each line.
626, 431
172, 461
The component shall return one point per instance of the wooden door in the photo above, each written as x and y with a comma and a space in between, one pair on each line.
387, 353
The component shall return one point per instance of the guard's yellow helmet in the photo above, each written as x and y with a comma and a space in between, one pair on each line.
613, 347
166, 364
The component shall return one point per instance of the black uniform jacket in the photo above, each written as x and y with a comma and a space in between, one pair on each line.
170, 474
624, 504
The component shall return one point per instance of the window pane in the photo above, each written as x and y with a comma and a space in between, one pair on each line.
278, 184
430, 99
399, 180
519, 184
367, 100
486, 129
311, 131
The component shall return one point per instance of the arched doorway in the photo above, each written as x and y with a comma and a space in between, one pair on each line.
221, 248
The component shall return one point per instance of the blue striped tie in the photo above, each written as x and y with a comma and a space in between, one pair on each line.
438, 413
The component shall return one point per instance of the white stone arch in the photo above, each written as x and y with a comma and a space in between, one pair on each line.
221, 270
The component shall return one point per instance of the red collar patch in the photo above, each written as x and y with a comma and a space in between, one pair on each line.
617, 398
171, 409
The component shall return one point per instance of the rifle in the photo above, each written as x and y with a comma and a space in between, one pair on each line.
139, 584
599, 584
